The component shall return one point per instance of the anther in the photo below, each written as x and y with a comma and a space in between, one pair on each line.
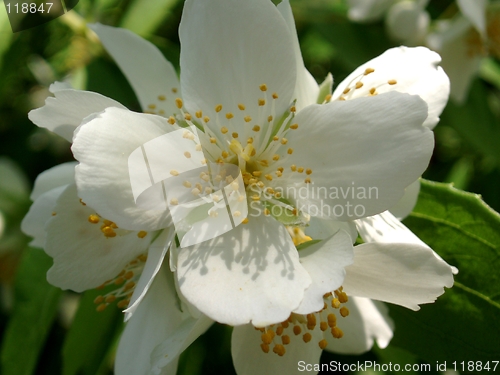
256, 128
323, 326
161, 97
297, 330
261, 102
142, 234
264, 347
171, 120
368, 71
198, 114
392, 82
346, 91
332, 320
293, 167
94, 219
268, 177
187, 116
174, 90
224, 154
235, 135
307, 180
218, 108
284, 141
359, 85
276, 157
101, 307
337, 332
309, 171
275, 96
285, 339
108, 232
269, 118
213, 140
244, 221
123, 303
307, 337
294, 126
373, 90
110, 299
241, 107
344, 311
98, 300
174, 202
82, 202
247, 118
279, 350
290, 151
187, 184
223, 130
229, 115
152, 106
293, 109
257, 173
206, 119
323, 343
263, 87
178, 103
187, 154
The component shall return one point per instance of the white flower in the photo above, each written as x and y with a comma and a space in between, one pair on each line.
244, 84
406, 21
464, 41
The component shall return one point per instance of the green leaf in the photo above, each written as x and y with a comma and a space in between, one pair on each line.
463, 324
90, 337
35, 307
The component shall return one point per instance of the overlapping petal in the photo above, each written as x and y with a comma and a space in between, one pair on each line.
230, 48
157, 317
401, 273
63, 113
325, 262
368, 10
84, 258
414, 71
252, 272
103, 146
366, 152
368, 321
152, 77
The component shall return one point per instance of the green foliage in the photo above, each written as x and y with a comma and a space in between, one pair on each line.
35, 307
463, 324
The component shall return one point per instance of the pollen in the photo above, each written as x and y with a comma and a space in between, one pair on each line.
229, 115
284, 141
358, 85
275, 95
256, 128
368, 71
162, 97
179, 103
294, 126
213, 140
323, 343
198, 114
276, 157
392, 82
94, 219
263, 87
218, 108
241, 107
206, 119
235, 135
171, 120
152, 106
346, 91
261, 102
223, 130
247, 119
187, 154
142, 234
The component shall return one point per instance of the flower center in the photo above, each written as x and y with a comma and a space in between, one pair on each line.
280, 335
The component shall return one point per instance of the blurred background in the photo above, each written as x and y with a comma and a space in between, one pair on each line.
467, 153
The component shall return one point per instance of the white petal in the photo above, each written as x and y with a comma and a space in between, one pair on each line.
386, 228
416, 72
66, 110
230, 48
368, 321
60, 175
406, 204
156, 254
407, 22
306, 88
39, 214
157, 317
461, 61
249, 359
152, 77
475, 12
103, 146
252, 273
325, 262
320, 229
178, 340
368, 10
403, 274
83, 257
362, 153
